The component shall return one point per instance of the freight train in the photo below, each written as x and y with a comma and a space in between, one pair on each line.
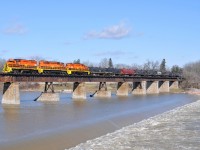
22, 66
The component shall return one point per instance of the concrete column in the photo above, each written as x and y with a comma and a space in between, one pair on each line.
139, 88
173, 85
152, 87
164, 86
11, 93
102, 92
122, 89
79, 91
48, 97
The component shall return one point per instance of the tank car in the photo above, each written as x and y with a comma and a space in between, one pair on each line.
20, 66
75, 68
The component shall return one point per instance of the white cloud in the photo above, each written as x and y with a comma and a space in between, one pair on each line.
17, 28
114, 32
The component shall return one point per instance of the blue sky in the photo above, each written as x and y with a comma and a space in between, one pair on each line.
129, 31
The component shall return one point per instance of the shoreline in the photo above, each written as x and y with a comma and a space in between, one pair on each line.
146, 133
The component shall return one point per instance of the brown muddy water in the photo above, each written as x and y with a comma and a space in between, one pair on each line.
64, 124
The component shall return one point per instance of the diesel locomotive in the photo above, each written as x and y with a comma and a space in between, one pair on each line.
21, 66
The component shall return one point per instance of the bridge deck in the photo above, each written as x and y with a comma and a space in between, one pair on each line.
77, 78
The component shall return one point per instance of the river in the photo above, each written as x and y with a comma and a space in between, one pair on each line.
67, 123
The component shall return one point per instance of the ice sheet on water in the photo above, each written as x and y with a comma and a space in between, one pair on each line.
175, 129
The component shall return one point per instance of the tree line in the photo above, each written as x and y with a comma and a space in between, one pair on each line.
190, 71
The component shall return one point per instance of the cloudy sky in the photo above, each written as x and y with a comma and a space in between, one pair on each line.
128, 31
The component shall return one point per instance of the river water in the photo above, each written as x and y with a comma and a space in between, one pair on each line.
67, 123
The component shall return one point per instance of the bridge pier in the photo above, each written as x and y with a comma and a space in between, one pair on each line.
173, 85
79, 91
139, 88
102, 92
122, 88
11, 93
164, 86
152, 87
48, 94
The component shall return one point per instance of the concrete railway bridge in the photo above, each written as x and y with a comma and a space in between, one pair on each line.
140, 85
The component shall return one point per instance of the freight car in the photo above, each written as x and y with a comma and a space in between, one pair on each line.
111, 71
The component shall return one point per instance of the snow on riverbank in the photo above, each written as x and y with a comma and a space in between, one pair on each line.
175, 129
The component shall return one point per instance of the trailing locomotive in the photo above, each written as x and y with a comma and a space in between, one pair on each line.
74, 68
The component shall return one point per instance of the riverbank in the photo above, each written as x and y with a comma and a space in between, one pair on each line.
175, 129
193, 91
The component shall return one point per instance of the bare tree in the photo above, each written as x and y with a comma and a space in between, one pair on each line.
89, 64
151, 65
136, 66
120, 66
191, 73
37, 58
104, 63
78, 61
2, 62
